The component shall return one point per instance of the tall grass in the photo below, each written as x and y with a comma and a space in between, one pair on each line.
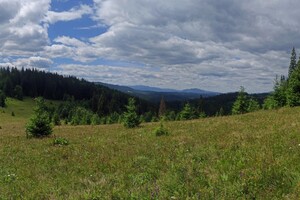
252, 156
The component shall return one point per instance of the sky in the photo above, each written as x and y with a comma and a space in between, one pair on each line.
208, 44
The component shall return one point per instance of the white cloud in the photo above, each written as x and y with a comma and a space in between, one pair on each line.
210, 44
72, 14
21, 31
34, 62
226, 43
30, 62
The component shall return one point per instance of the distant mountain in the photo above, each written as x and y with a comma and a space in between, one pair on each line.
151, 89
154, 94
156, 89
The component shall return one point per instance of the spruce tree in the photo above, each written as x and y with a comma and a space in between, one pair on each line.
2, 99
131, 118
187, 112
253, 105
279, 94
39, 124
293, 89
18, 92
293, 62
241, 104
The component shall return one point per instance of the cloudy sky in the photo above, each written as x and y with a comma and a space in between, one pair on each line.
209, 44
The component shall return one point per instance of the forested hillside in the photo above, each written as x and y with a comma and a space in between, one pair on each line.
33, 83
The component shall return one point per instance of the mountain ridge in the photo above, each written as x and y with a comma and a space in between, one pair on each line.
154, 94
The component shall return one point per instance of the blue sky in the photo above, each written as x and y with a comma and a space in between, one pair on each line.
208, 44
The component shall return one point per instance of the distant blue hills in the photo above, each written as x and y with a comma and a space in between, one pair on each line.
154, 94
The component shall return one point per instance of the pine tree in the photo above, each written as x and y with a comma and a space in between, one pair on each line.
162, 108
39, 125
241, 104
293, 62
131, 118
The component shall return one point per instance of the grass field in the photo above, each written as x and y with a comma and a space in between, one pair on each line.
252, 156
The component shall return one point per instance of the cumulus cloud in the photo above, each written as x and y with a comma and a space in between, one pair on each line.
210, 44
232, 42
30, 62
72, 14
21, 30
67, 47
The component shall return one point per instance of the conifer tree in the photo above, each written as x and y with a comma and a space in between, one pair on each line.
241, 104
293, 62
40, 124
253, 105
187, 113
162, 108
18, 92
279, 94
293, 89
2, 99
131, 118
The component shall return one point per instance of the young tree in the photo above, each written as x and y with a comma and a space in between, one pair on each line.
2, 99
131, 118
187, 112
279, 94
241, 104
39, 124
293, 62
162, 108
253, 105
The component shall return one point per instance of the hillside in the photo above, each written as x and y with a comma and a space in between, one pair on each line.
252, 156
33, 83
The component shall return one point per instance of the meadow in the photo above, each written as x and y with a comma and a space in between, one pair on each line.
251, 156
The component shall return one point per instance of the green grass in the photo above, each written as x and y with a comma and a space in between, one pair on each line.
252, 156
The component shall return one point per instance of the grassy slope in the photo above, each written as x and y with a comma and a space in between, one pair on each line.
249, 156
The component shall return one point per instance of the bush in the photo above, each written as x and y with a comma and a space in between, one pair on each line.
161, 130
60, 141
39, 124
56, 119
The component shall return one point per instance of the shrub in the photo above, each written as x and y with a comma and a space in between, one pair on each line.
12, 113
161, 130
95, 119
60, 141
56, 119
39, 124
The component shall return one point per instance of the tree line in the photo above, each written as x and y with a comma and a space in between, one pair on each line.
286, 89
35, 83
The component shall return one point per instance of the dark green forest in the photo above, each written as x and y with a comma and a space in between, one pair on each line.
73, 92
